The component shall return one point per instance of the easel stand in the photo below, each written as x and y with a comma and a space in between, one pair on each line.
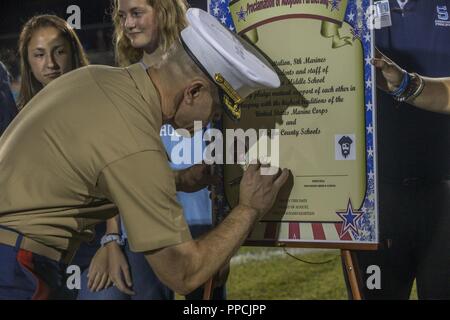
208, 289
353, 273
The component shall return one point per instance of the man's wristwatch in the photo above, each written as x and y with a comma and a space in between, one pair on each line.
110, 237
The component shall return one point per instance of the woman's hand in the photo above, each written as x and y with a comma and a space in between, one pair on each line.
98, 274
119, 271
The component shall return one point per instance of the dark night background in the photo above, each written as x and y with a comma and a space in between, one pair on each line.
96, 26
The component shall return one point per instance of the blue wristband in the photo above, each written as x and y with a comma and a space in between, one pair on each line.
405, 83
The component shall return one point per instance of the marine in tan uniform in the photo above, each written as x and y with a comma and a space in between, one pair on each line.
88, 146
66, 158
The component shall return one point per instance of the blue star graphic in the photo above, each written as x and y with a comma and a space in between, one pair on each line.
356, 33
335, 4
350, 217
241, 14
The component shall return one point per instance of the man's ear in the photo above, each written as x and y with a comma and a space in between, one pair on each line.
194, 90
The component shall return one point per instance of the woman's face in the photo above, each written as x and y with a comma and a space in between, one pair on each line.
49, 55
138, 21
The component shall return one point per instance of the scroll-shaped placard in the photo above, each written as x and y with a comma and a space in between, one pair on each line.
323, 112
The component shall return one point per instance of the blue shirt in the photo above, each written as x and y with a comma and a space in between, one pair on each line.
414, 143
197, 206
8, 109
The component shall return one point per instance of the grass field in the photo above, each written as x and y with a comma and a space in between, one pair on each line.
282, 277
268, 273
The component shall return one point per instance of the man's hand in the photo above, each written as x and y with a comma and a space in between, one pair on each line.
259, 191
195, 178
98, 278
119, 271
389, 74
186, 266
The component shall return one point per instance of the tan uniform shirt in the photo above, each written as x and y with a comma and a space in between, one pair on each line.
85, 145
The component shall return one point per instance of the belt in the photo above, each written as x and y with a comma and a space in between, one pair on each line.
15, 239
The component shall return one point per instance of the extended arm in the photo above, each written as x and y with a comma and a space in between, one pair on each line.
434, 97
156, 226
186, 266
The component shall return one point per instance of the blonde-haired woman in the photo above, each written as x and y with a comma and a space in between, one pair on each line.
144, 31
146, 28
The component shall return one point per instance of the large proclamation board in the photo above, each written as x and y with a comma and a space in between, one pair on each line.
325, 115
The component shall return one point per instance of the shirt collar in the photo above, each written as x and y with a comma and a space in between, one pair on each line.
402, 3
144, 84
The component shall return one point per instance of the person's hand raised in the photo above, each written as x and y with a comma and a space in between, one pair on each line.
389, 74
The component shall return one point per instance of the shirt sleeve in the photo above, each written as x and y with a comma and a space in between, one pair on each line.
142, 186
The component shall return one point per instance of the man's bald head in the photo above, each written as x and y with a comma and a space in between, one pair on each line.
187, 94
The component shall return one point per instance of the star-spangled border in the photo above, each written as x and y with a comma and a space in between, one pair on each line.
335, 4
367, 225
